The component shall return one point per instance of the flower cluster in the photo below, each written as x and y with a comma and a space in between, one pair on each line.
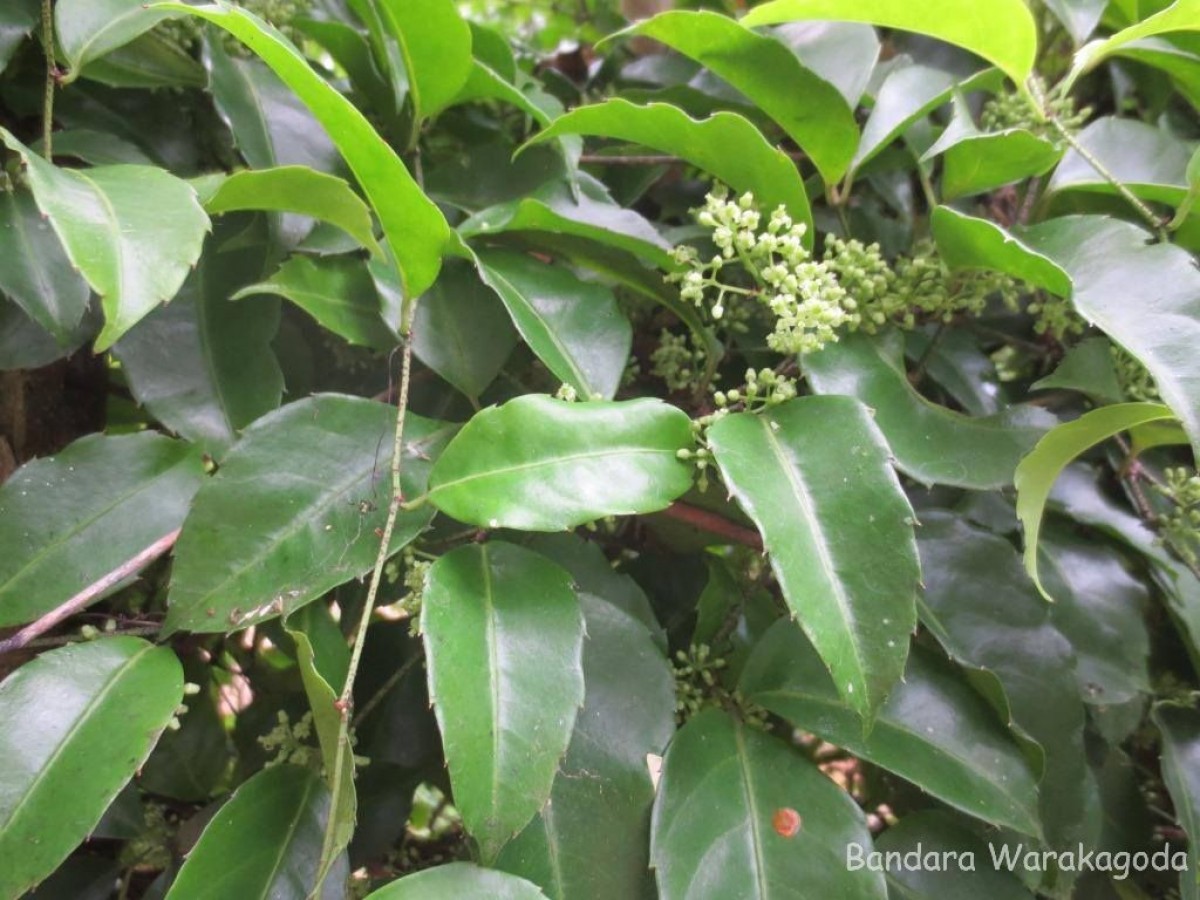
1011, 110
677, 360
1136, 382
1056, 316
698, 685
1181, 527
763, 389
291, 744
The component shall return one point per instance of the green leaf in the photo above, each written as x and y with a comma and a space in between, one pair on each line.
336, 291
1037, 472
1183, 15
937, 832
1079, 17
934, 729
462, 331
725, 145
1180, 728
980, 162
931, 443
89, 715
414, 226
725, 820
603, 785
265, 842
811, 111
815, 476
435, 42
149, 61
351, 49
1109, 262
1001, 31
1148, 161
967, 242
132, 231
202, 365
540, 464
1088, 368
191, 763
89, 29
506, 714
17, 21
1027, 668
297, 189
304, 486
34, 270
68, 520
843, 53
575, 327
458, 880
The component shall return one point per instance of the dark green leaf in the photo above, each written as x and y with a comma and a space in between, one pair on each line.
264, 843
17, 21
89, 715
292, 512
68, 520
843, 53
1148, 161
814, 475
1180, 727
933, 730
1088, 368
741, 814
149, 61
89, 29
1079, 17
967, 242
540, 464
506, 713
458, 880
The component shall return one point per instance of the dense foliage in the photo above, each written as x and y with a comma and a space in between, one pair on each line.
499, 450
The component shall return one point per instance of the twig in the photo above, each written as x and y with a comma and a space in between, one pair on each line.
89, 593
714, 524
51, 78
394, 679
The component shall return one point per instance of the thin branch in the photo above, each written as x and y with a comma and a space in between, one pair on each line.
89, 594
714, 524
394, 679
51, 78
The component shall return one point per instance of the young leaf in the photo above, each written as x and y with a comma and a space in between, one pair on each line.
1001, 31
603, 786
934, 729
414, 226
575, 327
435, 42
89, 715
68, 520
741, 814
931, 443
1180, 727
540, 464
815, 477
967, 242
305, 487
1182, 15
1037, 472
300, 190
132, 231
458, 879
264, 842
810, 110
506, 714
725, 145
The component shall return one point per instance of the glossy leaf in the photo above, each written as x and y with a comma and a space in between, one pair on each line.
1147, 160
723, 787
934, 729
300, 190
843, 53
265, 842
1062, 445
304, 486
506, 713
967, 242
1079, 17
132, 231
575, 327
815, 477
1088, 368
603, 785
1180, 728
68, 520
435, 42
149, 61
1002, 31
462, 330
202, 365
725, 145
931, 443
90, 714
540, 464
1182, 15
338, 292
984, 611
34, 270
90, 29
413, 225
981, 162
810, 110
458, 879
17, 21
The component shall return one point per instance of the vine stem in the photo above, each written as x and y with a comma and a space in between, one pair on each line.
345, 701
51, 79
